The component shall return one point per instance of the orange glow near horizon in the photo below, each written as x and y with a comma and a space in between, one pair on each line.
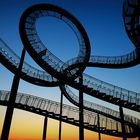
26, 126
2, 115
29, 126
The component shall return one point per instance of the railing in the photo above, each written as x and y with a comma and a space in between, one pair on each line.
38, 46
114, 60
9, 54
131, 20
109, 89
101, 109
90, 118
90, 82
27, 69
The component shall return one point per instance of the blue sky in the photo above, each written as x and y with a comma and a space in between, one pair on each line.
104, 25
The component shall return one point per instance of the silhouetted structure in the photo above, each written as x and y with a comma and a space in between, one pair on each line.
58, 73
70, 115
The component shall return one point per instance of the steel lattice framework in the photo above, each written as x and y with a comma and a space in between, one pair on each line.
66, 74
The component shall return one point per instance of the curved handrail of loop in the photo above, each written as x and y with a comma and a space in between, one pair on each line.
34, 46
91, 86
70, 114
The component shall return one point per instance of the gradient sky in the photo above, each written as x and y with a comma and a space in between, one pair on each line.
103, 22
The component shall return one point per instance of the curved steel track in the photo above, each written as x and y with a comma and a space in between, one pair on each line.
58, 73
69, 71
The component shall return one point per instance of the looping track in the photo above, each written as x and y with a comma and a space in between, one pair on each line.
57, 72
46, 59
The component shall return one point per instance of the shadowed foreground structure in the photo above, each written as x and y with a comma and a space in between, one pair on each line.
70, 114
70, 73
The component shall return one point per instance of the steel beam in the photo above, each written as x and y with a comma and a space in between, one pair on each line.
12, 98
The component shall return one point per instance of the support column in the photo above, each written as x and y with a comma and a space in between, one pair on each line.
81, 117
122, 123
60, 121
45, 128
12, 98
98, 121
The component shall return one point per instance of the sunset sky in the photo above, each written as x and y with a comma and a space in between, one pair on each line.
103, 22
29, 126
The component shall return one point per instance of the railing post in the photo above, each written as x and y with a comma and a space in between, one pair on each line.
98, 121
45, 128
12, 98
122, 123
117, 126
60, 121
81, 117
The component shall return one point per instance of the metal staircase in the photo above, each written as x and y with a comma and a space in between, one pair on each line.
59, 73
70, 114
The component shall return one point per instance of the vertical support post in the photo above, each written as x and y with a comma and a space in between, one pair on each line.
98, 121
122, 123
81, 117
12, 98
60, 121
117, 126
45, 128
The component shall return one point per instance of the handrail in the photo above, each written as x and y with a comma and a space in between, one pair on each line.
107, 125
